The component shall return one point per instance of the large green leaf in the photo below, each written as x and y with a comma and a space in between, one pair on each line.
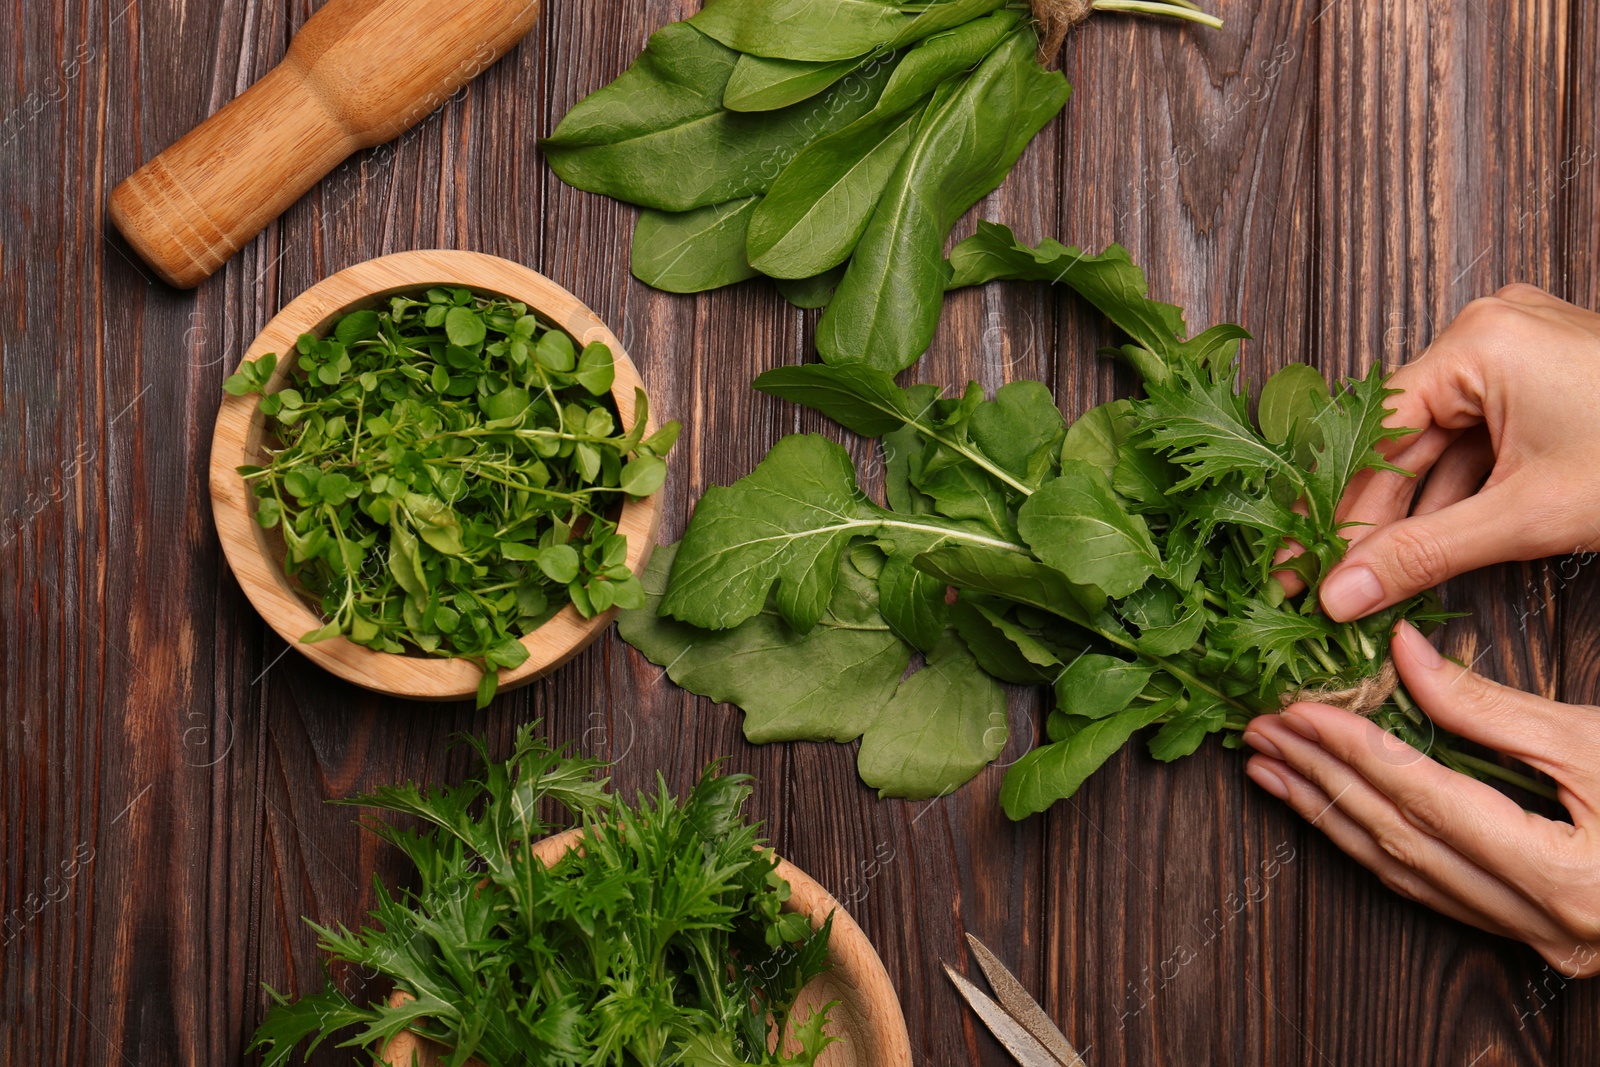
1077, 525
825, 30
1096, 687
887, 307
692, 251
761, 84
944, 725
659, 136
817, 209
788, 522
1054, 772
827, 684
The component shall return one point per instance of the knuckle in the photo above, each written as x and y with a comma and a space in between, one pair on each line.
1427, 813
1418, 560
1398, 844
1490, 314
1520, 291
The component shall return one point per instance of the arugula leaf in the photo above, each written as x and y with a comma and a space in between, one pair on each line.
1077, 525
1110, 281
827, 684
944, 725
788, 523
1055, 771
1096, 687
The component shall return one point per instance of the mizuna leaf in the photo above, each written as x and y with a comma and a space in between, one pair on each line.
1351, 429
1199, 422
1076, 525
1274, 636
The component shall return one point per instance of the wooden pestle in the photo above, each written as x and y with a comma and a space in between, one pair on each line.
357, 74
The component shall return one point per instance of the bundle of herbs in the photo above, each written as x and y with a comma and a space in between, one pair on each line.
660, 939
446, 472
830, 144
1127, 560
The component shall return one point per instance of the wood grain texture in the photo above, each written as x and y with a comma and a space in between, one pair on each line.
1340, 177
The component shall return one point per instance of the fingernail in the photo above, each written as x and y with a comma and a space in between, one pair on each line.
1301, 726
1259, 741
1418, 647
1351, 592
1267, 780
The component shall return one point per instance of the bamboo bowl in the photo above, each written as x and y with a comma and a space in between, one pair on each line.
256, 559
867, 1018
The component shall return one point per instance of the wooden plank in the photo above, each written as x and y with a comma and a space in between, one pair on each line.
1192, 148
1429, 118
1569, 190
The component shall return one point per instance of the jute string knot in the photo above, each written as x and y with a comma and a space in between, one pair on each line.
1056, 19
1362, 698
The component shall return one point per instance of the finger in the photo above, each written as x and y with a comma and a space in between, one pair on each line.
1558, 739
1459, 473
1476, 820
1376, 498
1406, 557
1432, 859
1318, 809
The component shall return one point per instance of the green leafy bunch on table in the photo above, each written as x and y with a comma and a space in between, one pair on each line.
1131, 560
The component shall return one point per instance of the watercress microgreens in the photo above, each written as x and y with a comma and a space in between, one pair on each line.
829, 144
1126, 560
661, 939
445, 471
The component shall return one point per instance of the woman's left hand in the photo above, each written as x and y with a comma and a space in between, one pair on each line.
1438, 837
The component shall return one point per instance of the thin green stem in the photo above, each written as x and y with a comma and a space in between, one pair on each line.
1154, 7
1494, 770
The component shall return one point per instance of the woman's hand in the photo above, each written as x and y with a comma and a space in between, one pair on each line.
1507, 398
1445, 840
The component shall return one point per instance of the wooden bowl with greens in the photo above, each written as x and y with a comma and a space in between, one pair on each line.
436, 475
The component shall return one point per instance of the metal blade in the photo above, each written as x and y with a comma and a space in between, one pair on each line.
1022, 1007
1021, 1044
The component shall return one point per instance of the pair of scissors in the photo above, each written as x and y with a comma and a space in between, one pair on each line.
1016, 1021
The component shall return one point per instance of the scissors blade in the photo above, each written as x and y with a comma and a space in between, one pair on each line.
1021, 1044
1022, 1007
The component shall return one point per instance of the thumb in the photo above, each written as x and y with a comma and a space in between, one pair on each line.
1407, 557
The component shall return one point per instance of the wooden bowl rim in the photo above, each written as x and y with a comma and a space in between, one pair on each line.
856, 965
239, 424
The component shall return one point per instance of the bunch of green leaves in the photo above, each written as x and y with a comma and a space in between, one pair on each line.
660, 938
445, 471
1127, 560
829, 144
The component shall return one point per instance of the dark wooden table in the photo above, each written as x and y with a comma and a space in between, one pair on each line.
1340, 177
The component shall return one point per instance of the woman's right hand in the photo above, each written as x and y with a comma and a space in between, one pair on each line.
1507, 462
